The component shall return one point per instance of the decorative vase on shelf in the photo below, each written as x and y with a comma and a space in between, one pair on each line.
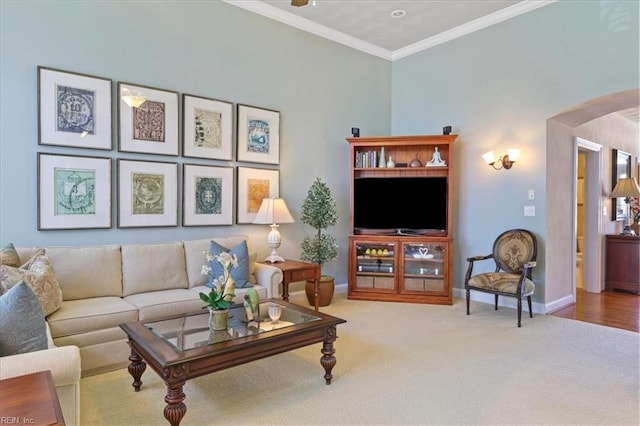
415, 162
218, 319
382, 162
391, 163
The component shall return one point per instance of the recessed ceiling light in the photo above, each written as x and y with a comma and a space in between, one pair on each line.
398, 13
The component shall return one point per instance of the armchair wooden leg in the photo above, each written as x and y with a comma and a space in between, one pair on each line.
530, 310
496, 302
468, 297
519, 312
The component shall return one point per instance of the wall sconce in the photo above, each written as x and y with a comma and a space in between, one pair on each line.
273, 211
134, 100
506, 161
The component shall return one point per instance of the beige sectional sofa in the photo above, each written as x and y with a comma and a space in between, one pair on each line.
105, 286
64, 364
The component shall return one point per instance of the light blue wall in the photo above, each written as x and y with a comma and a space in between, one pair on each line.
496, 88
211, 49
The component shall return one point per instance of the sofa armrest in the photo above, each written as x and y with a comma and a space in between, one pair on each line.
63, 361
269, 277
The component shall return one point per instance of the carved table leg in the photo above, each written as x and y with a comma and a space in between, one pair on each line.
175, 409
328, 360
136, 368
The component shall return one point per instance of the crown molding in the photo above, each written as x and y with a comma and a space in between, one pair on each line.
470, 27
304, 24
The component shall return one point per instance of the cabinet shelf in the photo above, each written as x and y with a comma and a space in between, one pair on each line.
407, 278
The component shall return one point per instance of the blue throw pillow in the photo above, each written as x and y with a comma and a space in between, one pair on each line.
240, 274
23, 327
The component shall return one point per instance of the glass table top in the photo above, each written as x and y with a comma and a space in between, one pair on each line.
192, 331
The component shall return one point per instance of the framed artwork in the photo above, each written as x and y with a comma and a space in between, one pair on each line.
147, 194
74, 192
207, 195
207, 128
258, 135
253, 186
74, 109
151, 127
620, 169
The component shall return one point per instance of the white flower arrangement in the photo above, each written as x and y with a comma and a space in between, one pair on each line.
222, 293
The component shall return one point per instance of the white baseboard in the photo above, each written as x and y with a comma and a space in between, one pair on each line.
560, 303
476, 296
300, 296
507, 302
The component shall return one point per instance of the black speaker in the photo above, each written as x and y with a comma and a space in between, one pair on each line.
355, 132
446, 130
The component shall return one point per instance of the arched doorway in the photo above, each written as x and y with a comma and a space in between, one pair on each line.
560, 186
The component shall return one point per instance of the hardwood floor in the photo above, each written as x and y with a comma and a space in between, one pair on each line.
611, 308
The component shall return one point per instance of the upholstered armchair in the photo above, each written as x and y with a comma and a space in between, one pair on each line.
514, 253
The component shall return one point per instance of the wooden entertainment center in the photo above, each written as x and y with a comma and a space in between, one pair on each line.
403, 265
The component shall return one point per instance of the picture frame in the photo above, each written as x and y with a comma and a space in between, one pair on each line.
207, 128
207, 195
147, 194
74, 109
152, 127
258, 135
620, 168
253, 186
74, 192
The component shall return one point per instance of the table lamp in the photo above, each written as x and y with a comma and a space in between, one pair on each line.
627, 187
273, 211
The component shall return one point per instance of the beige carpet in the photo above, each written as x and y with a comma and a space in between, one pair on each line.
407, 364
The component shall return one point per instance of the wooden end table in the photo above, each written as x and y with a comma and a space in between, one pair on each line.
31, 400
296, 270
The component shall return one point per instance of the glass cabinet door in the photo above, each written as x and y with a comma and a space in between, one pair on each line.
424, 267
375, 265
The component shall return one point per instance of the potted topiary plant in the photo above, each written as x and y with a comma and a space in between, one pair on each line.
319, 211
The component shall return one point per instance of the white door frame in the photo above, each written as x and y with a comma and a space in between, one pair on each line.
592, 263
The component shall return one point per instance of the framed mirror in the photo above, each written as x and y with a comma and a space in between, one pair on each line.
620, 169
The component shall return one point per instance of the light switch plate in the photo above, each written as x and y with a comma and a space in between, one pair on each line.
531, 195
529, 210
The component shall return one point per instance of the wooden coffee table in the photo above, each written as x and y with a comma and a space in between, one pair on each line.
30, 399
182, 348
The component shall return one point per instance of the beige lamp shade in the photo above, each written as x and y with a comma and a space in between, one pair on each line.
627, 187
273, 211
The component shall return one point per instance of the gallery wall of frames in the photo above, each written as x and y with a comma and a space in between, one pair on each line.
225, 181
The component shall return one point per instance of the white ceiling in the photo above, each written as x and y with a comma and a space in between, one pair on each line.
367, 25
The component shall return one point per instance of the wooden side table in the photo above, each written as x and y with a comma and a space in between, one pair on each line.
31, 400
296, 270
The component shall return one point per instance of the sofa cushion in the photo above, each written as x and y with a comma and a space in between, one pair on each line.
23, 328
9, 256
194, 256
85, 315
156, 305
240, 274
85, 272
38, 273
153, 267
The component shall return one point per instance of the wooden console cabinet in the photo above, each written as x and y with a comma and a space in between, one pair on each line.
623, 263
398, 267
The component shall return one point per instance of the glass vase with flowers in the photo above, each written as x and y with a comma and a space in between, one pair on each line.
220, 298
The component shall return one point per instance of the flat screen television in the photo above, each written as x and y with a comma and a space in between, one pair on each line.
400, 205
